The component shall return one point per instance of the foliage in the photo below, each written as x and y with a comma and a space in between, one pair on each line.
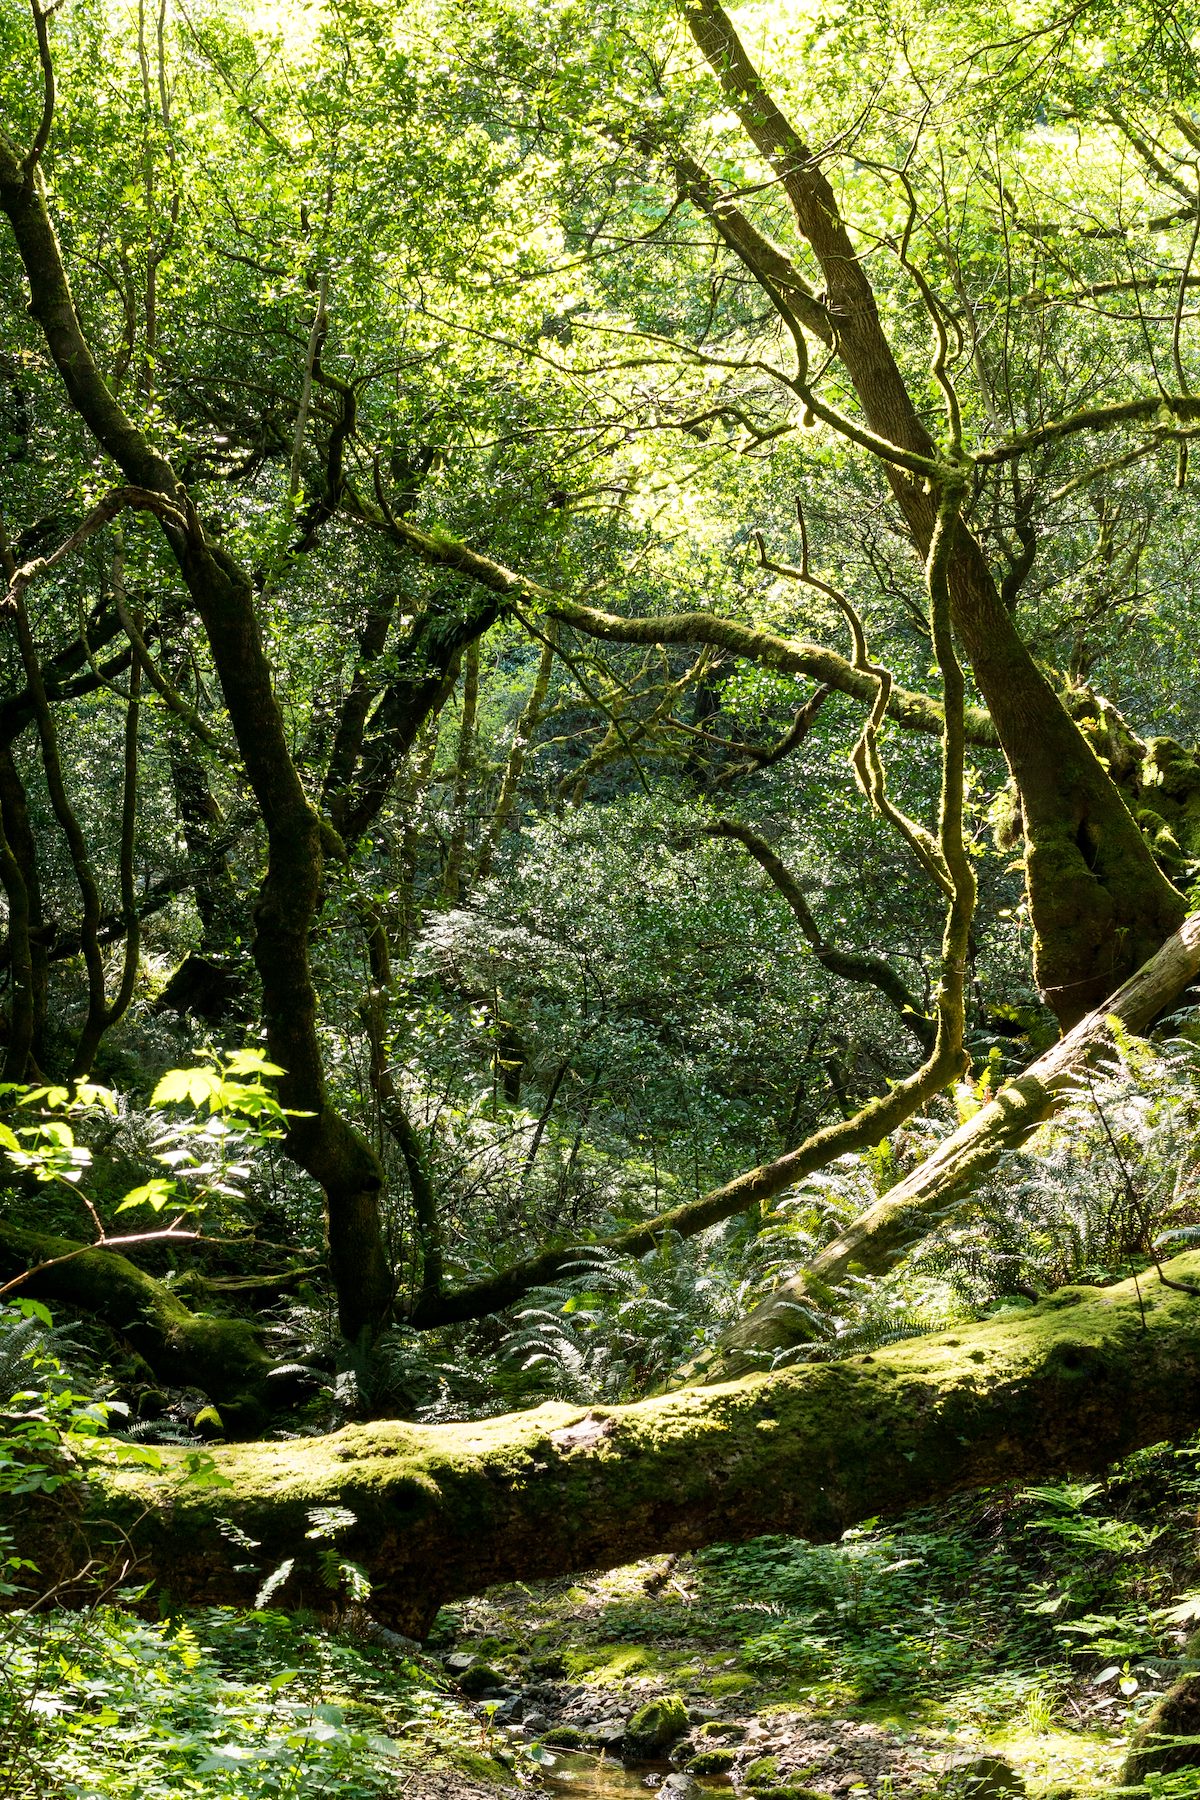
1112, 1178
104, 1703
397, 287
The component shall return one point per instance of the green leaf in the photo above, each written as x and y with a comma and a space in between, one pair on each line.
251, 1062
155, 1193
191, 1085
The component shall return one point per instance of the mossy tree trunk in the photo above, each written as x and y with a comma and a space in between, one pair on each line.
445, 1510
222, 1357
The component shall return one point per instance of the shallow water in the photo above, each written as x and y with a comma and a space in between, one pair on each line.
604, 1778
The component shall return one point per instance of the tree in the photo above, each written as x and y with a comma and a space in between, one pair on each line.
331, 496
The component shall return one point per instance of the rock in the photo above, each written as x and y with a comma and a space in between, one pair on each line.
459, 1663
1176, 1715
679, 1787
656, 1726
762, 1772
565, 1737
788, 1791
549, 1664
535, 1723
712, 1762
509, 1708
701, 1715
605, 1732
478, 1678
988, 1778
723, 1731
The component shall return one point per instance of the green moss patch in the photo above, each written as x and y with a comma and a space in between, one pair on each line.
711, 1762
656, 1726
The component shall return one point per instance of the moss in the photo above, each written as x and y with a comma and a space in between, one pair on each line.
611, 1663
1156, 1749
446, 1510
484, 1768
711, 1762
722, 1731
564, 1737
656, 1726
717, 1685
548, 1665
479, 1678
788, 1790
762, 1770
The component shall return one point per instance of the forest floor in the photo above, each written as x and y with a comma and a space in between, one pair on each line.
1008, 1642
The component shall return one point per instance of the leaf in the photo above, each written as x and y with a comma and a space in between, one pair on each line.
273, 1583
34, 1309
1184, 1612
192, 1085
153, 1193
251, 1062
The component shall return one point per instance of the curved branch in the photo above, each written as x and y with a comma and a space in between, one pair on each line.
851, 965
41, 25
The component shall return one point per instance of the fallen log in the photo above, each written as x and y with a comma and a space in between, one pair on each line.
916, 1206
442, 1511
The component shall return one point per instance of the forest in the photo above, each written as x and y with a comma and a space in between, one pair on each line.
599, 898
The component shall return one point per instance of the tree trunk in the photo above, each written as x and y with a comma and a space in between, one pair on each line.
204, 834
445, 1510
908, 1212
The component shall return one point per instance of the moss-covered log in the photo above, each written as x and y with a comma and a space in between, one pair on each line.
445, 1510
222, 1357
907, 1213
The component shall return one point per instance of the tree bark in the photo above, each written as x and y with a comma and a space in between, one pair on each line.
908, 1212
443, 1511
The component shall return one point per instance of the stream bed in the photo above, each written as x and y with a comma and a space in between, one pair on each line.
605, 1778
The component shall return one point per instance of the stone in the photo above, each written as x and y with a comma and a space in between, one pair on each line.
1156, 1748
605, 1732
656, 1726
680, 1787
548, 1664
712, 1762
722, 1731
988, 1778
761, 1772
479, 1678
565, 1737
